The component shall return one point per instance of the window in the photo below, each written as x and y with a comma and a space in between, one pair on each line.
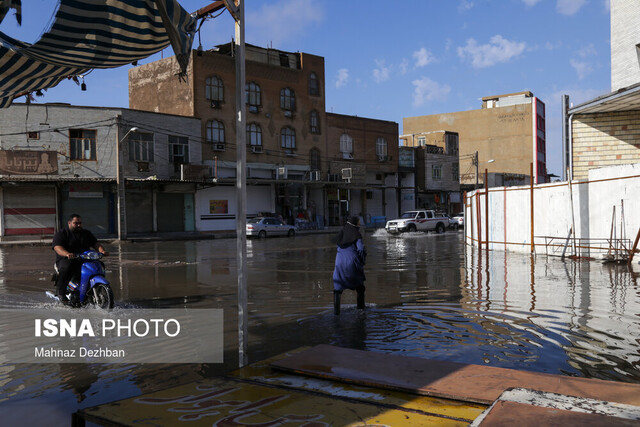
422, 141
214, 89
314, 122
33, 135
178, 150
455, 172
381, 148
287, 99
288, 138
82, 144
314, 85
140, 147
314, 159
253, 96
215, 132
451, 141
436, 172
254, 134
346, 144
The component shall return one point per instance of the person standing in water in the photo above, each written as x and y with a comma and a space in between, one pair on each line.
350, 260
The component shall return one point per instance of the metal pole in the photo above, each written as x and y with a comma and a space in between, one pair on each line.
241, 193
486, 210
475, 160
533, 248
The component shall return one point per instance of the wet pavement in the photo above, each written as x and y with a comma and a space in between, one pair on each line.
427, 296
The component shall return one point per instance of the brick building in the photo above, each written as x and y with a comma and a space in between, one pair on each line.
293, 159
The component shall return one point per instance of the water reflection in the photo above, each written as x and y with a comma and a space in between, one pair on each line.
427, 296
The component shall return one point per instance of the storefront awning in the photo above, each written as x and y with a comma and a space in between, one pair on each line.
89, 34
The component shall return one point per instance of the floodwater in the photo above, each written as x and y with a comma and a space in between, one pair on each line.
427, 296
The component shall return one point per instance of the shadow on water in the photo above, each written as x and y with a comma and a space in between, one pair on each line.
427, 296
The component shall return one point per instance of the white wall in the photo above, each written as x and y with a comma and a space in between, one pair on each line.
259, 199
593, 202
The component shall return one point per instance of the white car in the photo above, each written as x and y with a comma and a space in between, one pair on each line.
268, 226
458, 220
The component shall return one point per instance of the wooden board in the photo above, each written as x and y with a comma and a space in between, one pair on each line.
471, 383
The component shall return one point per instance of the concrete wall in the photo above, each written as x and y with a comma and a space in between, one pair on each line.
553, 216
625, 35
606, 139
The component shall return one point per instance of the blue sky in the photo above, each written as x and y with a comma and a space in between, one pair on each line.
393, 59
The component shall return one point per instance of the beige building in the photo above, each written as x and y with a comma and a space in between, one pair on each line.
508, 134
295, 160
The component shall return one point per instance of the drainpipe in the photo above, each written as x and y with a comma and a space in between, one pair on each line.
570, 141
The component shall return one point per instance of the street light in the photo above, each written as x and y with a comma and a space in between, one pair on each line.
121, 207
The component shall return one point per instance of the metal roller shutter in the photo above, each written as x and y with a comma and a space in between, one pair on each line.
29, 210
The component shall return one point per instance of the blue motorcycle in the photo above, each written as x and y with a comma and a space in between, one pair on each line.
91, 288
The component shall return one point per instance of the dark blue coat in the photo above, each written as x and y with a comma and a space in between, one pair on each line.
349, 270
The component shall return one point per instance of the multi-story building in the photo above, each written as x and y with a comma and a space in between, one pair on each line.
57, 159
362, 157
437, 174
294, 163
506, 135
605, 131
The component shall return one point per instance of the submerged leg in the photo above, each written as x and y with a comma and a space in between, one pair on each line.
336, 302
360, 299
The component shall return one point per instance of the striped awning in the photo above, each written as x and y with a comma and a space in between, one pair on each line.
89, 34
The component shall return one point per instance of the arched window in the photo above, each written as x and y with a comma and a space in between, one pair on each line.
253, 96
214, 89
288, 138
314, 159
254, 134
287, 99
314, 85
215, 132
346, 144
381, 149
314, 122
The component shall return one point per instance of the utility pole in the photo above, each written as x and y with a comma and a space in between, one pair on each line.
475, 162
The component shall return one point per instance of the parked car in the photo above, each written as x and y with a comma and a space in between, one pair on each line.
268, 226
457, 221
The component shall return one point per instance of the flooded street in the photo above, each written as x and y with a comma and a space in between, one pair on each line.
427, 296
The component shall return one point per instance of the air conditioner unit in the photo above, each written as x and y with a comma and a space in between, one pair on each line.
215, 104
347, 156
383, 158
218, 147
290, 153
288, 114
347, 173
282, 172
256, 148
314, 176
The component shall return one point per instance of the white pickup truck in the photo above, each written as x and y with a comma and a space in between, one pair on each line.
418, 220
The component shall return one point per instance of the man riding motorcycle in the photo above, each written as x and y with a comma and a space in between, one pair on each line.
68, 242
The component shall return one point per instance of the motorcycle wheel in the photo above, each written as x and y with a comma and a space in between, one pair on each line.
102, 296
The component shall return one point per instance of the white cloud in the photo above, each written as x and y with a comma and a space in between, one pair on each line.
404, 66
569, 7
496, 51
465, 5
530, 2
422, 57
342, 78
427, 90
582, 68
381, 73
283, 21
588, 50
